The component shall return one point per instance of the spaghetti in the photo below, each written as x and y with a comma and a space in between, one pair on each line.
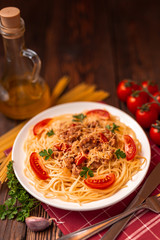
77, 154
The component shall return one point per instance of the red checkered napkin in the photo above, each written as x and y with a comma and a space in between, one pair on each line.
145, 225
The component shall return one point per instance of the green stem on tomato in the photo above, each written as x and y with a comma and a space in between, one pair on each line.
145, 107
155, 99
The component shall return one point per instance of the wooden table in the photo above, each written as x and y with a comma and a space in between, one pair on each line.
95, 41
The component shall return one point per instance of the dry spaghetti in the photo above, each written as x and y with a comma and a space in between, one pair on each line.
76, 155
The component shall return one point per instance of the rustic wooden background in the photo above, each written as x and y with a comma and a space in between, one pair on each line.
96, 41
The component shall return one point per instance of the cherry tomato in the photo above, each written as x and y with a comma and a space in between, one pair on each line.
39, 127
146, 115
151, 86
103, 138
100, 182
100, 112
125, 88
155, 132
130, 147
155, 105
135, 100
37, 167
81, 158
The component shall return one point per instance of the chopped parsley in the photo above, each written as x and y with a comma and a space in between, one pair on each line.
50, 133
120, 154
78, 118
46, 154
113, 128
20, 203
86, 171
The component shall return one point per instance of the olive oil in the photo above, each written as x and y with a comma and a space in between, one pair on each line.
24, 99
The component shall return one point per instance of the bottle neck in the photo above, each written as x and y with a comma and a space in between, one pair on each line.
13, 39
19, 60
13, 47
12, 33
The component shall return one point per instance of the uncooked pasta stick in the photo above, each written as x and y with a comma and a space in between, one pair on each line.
59, 88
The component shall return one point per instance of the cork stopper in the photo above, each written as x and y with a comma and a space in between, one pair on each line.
10, 17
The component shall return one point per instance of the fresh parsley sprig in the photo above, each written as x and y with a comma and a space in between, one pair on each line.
50, 133
86, 171
78, 118
113, 128
20, 203
120, 154
46, 154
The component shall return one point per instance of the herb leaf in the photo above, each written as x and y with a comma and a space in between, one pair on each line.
3, 212
50, 133
20, 203
86, 171
46, 154
113, 128
43, 153
108, 127
120, 154
78, 118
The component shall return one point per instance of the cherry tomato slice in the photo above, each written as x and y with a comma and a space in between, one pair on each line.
100, 182
37, 167
103, 138
39, 127
63, 147
58, 146
100, 113
80, 159
130, 147
73, 125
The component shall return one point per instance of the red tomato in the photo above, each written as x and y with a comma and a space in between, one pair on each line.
155, 105
58, 146
39, 127
135, 100
100, 182
81, 158
103, 138
130, 147
73, 125
99, 112
155, 132
125, 88
37, 167
145, 116
151, 86
63, 147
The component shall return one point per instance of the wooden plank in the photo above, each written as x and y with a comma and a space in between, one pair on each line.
135, 40
71, 37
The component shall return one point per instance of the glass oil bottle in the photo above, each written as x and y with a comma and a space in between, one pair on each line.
23, 93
